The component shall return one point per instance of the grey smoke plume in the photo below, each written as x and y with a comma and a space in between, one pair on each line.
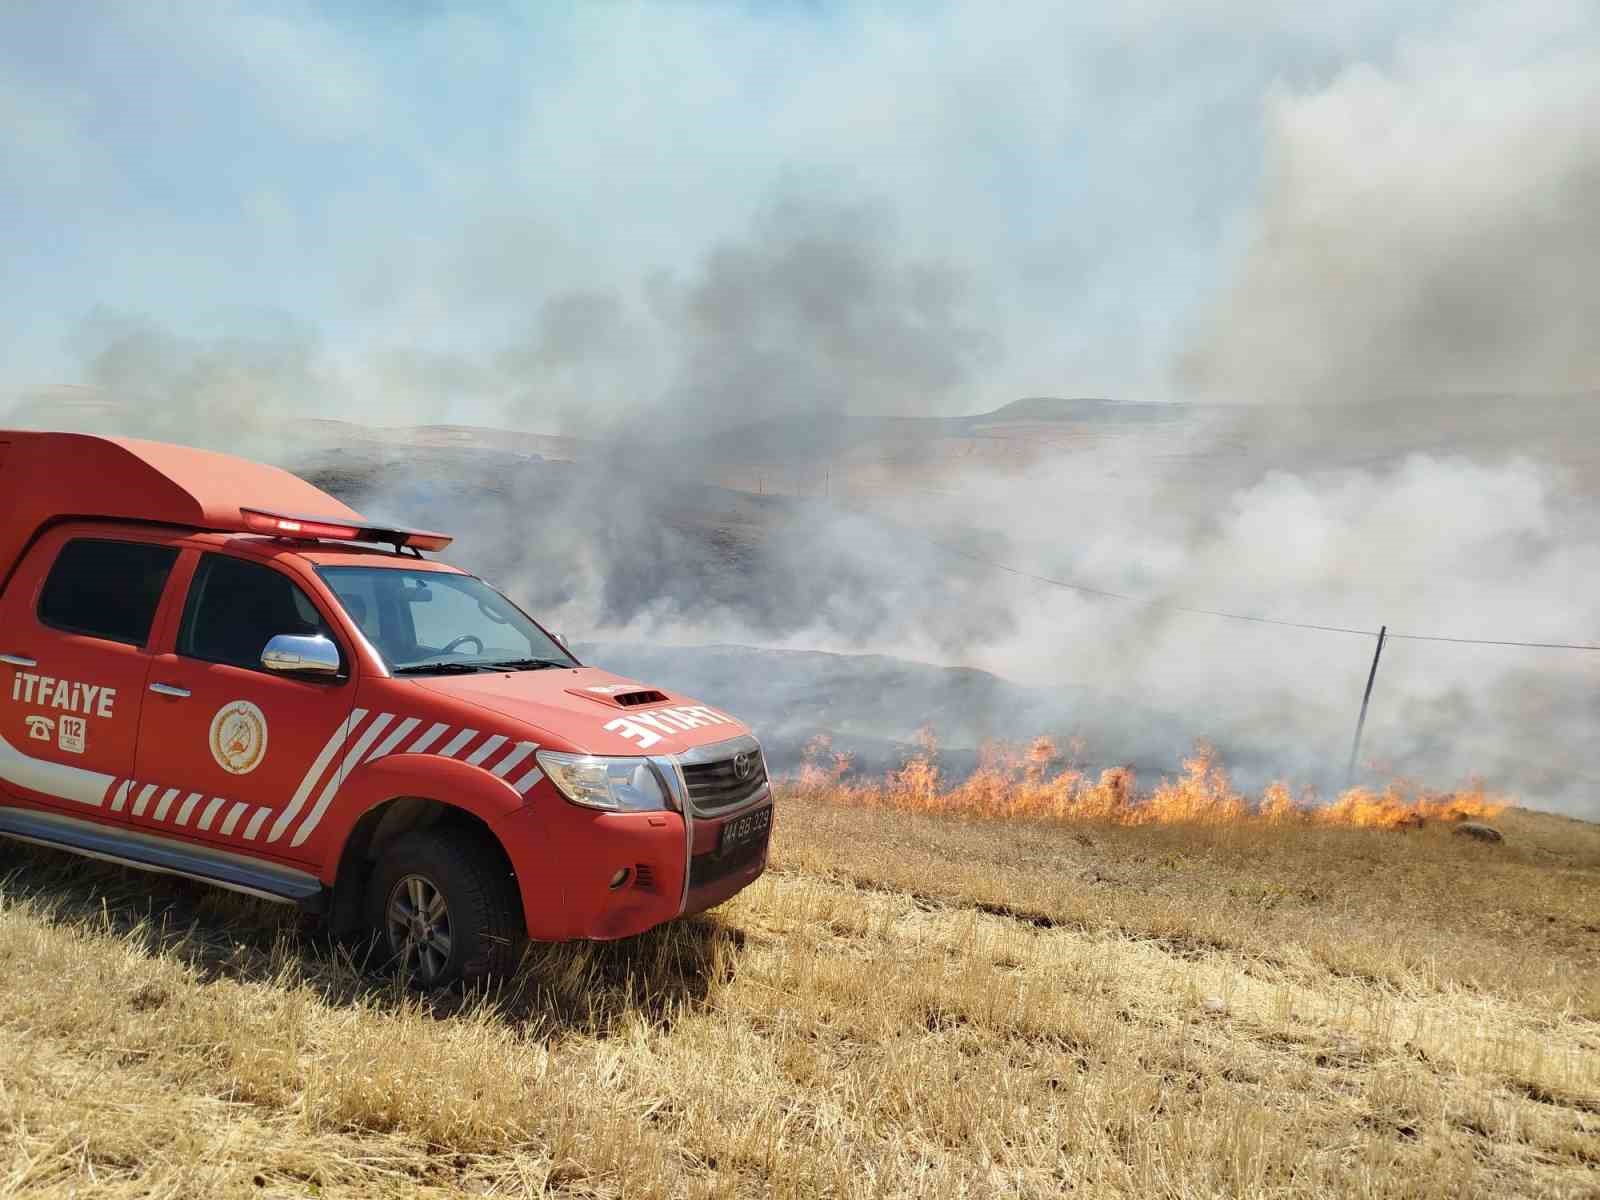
1430, 228
814, 310
1426, 258
1313, 518
815, 313
177, 387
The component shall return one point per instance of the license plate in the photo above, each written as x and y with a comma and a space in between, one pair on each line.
745, 828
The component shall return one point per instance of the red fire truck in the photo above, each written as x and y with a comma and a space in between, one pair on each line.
219, 671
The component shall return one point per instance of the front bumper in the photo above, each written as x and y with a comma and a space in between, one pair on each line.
565, 857
714, 876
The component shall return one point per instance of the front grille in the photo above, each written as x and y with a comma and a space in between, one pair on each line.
716, 785
708, 868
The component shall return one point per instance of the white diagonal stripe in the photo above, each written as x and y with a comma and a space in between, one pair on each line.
122, 795
256, 822
345, 729
167, 797
455, 743
483, 751
386, 747
364, 742
144, 798
187, 810
427, 739
378, 724
520, 752
210, 813
234, 813
525, 784
53, 779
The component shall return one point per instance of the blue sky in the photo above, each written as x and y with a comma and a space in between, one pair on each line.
399, 184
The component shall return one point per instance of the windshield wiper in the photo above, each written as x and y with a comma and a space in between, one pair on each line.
525, 664
442, 668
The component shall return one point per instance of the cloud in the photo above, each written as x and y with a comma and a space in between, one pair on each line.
311, 78
43, 134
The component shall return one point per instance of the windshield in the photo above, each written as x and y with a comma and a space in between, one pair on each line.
433, 623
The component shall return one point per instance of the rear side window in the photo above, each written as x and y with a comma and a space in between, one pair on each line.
236, 607
105, 589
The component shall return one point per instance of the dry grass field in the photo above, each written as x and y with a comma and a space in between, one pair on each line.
908, 1004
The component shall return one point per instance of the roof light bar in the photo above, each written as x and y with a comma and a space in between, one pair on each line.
306, 527
286, 525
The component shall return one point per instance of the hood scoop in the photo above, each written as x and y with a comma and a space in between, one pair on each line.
620, 695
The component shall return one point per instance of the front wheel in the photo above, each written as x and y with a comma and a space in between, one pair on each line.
445, 907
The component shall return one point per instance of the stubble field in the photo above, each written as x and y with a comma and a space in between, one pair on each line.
908, 1004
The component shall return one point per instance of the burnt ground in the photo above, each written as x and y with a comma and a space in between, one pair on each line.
706, 555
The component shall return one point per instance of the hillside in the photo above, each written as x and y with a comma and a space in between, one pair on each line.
872, 705
904, 1006
708, 556
877, 550
826, 435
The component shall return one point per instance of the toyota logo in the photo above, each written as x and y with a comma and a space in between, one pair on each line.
744, 764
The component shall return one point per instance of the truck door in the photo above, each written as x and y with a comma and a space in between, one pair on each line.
75, 620
230, 752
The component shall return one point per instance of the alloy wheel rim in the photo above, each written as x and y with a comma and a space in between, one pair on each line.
419, 926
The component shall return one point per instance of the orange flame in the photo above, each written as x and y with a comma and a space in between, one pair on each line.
1039, 783
822, 765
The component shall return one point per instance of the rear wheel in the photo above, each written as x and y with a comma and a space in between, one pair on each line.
446, 908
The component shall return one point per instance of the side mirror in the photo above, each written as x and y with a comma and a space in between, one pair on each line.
560, 637
311, 655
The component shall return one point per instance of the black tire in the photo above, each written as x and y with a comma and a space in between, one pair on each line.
481, 913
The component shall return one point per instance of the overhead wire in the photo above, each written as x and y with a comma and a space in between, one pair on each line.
1426, 637
1224, 614
1145, 600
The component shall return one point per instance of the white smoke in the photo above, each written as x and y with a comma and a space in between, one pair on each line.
1430, 227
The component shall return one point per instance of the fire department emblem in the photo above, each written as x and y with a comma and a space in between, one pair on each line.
239, 737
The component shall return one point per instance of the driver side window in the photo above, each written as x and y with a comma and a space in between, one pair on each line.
236, 607
443, 618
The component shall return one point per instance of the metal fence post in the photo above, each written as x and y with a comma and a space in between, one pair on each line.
1355, 746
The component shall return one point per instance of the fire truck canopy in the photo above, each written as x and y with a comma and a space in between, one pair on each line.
50, 477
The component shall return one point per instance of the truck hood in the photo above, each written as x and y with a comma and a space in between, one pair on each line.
591, 711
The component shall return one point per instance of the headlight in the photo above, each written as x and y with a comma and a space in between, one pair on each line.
612, 784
